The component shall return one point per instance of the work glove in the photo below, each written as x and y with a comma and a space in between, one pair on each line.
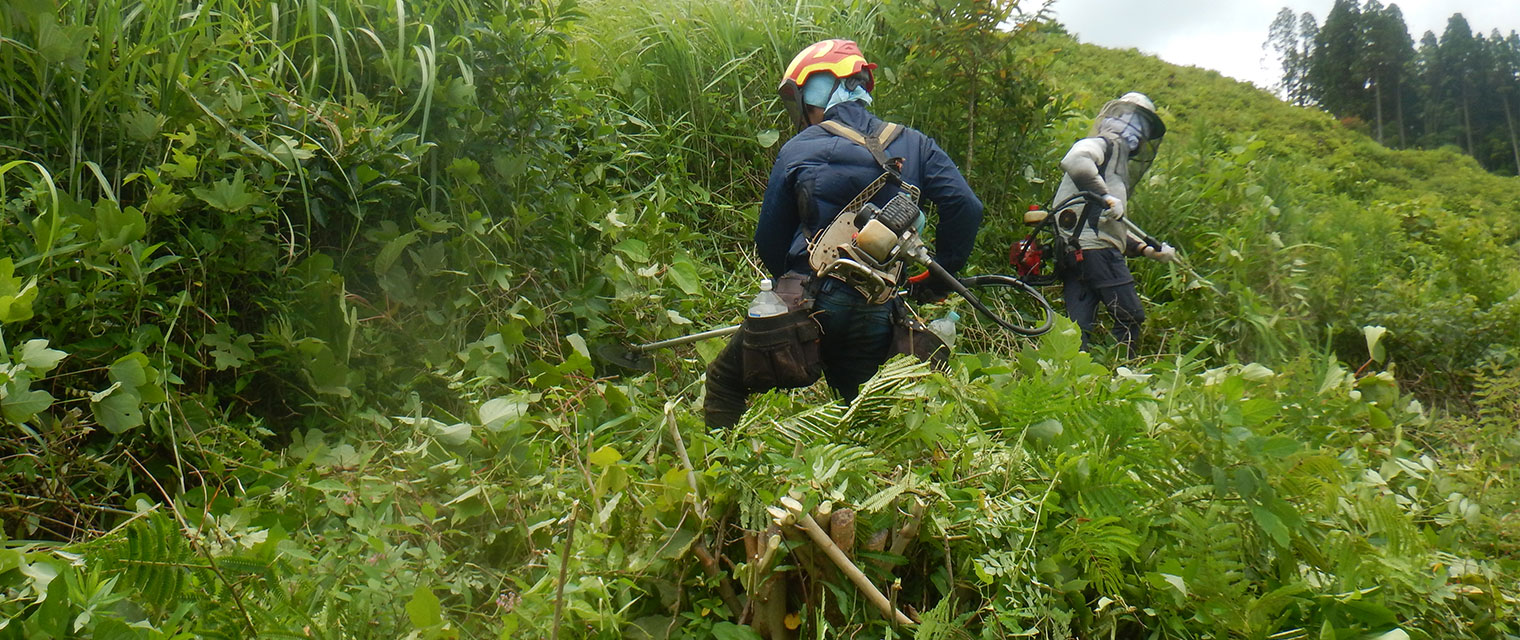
1165, 254
924, 290
1115, 208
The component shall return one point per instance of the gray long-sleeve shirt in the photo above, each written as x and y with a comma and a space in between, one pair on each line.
1082, 167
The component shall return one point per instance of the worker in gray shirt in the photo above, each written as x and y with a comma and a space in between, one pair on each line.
1109, 162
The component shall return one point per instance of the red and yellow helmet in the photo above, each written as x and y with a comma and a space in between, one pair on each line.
838, 58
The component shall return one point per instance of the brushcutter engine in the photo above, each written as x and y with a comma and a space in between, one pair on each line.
869, 248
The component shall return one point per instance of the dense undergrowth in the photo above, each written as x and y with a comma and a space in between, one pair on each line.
300, 302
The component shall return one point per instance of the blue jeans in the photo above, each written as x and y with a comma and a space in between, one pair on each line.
857, 336
857, 339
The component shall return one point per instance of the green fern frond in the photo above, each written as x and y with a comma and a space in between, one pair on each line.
939, 623
827, 460
892, 387
153, 559
1099, 546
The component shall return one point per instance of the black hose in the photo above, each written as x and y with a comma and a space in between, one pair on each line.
960, 287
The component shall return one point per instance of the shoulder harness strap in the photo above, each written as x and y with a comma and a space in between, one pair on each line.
1091, 211
877, 145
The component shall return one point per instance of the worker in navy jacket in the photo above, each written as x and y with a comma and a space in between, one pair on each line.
817, 173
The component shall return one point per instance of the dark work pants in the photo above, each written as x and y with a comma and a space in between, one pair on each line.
1103, 277
857, 339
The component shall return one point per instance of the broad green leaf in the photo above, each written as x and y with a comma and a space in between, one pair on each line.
228, 352
729, 631
1046, 431
708, 350
677, 544
63, 44
634, 248
184, 167
366, 174
1374, 335
1379, 418
231, 196
424, 609
15, 298
604, 456
22, 404
454, 434
579, 344
36, 355
289, 151
495, 413
1370, 612
118, 227
465, 170
509, 623
142, 126
684, 273
392, 250
119, 411
1396, 634
1271, 524
768, 137
10, 559
130, 370
1275, 447
328, 375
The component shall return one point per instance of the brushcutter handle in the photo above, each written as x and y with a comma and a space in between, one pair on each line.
1090, 196
1142, 235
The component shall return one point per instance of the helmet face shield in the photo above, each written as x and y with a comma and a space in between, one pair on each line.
1138, 126
791, 98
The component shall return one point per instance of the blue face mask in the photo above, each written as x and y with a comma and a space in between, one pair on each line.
824, 91
1130, 128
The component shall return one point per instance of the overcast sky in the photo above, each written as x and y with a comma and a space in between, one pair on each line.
1227, 35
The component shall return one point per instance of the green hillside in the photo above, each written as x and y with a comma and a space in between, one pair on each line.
302, 302
1332, 231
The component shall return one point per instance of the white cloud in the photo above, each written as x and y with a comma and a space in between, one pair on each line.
1227, 35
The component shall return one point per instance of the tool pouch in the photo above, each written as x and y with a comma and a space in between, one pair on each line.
781, 352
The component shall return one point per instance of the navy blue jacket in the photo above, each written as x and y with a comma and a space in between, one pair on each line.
817, 173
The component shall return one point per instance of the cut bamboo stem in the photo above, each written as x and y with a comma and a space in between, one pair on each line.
691, 474
842, 531
850, 570
564, 565
909, 530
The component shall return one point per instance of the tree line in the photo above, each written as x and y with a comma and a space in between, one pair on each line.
1361, 64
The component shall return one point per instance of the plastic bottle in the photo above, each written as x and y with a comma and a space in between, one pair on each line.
766, 303
945, 328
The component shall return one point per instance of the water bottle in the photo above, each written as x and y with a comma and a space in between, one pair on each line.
945, 328
766, 303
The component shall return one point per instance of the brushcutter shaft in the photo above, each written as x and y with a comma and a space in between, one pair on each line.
695, 337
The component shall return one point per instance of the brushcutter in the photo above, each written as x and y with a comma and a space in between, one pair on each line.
1028, 255
869, 250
